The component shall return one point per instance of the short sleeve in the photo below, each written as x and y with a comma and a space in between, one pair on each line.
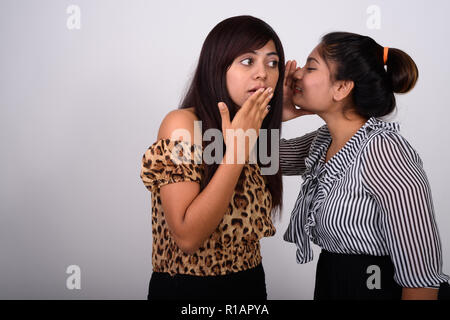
170, 161
293, 153
393, 174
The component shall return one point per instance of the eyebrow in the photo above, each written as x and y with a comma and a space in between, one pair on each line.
269, 54
312, 59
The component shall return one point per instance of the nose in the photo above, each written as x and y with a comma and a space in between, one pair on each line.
298, 74
260, 71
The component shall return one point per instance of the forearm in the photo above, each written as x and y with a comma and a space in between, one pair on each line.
293, 153
207, 210
419, 294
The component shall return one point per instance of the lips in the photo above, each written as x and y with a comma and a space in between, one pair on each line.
298, 89
255, 89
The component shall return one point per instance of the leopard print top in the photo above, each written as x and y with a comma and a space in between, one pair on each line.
234, 245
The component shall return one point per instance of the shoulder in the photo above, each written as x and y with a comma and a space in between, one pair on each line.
389, 164
177, 123
320, 138
391, 146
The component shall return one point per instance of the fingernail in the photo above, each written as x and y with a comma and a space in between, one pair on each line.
270, 90
261, 90
268, 107
221, 106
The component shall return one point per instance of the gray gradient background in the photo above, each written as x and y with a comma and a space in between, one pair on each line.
78, 108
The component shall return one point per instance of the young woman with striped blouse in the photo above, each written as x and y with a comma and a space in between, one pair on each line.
365, 198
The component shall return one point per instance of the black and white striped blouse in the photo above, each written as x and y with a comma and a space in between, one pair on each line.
372, 197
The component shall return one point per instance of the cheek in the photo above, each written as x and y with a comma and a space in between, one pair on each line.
233, 85
273, 79
318, 87
316, 93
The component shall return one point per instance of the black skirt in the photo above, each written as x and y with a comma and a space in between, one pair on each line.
355, 277
244, 285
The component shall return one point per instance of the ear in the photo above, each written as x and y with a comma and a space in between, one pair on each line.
342, 89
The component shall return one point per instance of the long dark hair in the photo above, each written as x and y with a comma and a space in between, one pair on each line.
360, 59
226, 41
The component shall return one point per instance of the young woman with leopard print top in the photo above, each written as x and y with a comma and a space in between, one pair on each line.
207, 219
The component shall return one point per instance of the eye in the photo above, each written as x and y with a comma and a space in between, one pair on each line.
247, 63
310, 69
274, 63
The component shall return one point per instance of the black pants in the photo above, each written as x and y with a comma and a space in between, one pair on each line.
244, 285
344, 276
355, 277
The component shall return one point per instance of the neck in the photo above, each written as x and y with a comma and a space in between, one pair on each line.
342, 128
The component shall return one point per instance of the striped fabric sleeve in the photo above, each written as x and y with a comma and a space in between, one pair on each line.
393, 174
293, 153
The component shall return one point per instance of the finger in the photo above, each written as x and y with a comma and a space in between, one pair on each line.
286, 72
265, 102
225, 115
290, 76
251, 100
265, 99
263, 96
291, 73
253, 108
294, 66
265, 112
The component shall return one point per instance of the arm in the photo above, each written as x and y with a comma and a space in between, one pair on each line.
419, 294
293, 153
191, 215
393, 174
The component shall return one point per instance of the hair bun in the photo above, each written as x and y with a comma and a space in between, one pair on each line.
402, 71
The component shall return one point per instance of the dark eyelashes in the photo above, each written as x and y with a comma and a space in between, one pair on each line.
275, 63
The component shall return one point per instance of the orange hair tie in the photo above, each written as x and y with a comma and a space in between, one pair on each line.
385, 55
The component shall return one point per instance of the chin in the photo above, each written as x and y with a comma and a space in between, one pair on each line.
298, 102
301, 106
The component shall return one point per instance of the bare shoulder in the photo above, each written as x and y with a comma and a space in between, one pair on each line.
176, 122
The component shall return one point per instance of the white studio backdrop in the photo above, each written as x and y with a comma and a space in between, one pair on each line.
84, 85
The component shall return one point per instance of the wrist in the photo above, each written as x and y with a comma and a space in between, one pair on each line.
233, 159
